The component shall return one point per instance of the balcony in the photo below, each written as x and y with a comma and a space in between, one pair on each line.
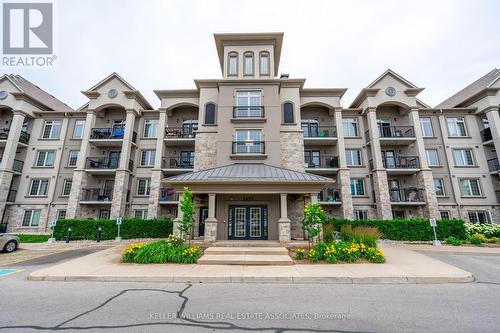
401, 164
396, 135
181, 136
17, 166
494, 165
177, 164
246, 114
319, 135
109, 137
248, 150
104, 165
323, 164
11, 197
97, 196
407, 196
329, 196
24, 137
168, 196
486, 136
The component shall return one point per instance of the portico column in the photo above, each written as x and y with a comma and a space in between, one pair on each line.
211, 221
344, 175
284, 221
156, 173
494, 120
179, 217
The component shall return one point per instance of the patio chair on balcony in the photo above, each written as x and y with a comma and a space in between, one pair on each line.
118, 133
173, 164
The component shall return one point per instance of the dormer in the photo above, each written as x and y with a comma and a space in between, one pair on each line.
249, 56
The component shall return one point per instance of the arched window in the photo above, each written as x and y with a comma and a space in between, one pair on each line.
264, 63
210, 114
248, 64
233, 63
288, 116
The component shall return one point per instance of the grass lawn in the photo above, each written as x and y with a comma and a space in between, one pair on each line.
25, 238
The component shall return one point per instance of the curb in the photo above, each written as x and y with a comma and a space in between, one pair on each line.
468, 253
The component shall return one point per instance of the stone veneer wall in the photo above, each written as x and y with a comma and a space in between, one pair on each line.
5, 181
344, 179
295, 206
292, 150
154, 195
381, 188
14, 217
426, 180
205, 151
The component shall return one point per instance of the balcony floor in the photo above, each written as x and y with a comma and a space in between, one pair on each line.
319, 141
322, 171
101, 171
408, 171
330, 203
169, 202
408, 203
397, 141
106, 142
96, 202
179, 141
176, 171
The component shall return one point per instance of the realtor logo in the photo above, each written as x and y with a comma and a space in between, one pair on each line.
27, 28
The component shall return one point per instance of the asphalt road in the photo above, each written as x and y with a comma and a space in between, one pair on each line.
156, 307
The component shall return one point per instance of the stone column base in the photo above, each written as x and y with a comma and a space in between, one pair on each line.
210, 230
284, 230
175, 228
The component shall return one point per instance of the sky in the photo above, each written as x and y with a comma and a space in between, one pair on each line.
439, 45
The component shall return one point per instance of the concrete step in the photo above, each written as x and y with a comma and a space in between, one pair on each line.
247, 250
249, 243
244, 259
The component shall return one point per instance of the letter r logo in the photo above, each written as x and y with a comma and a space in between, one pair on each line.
27, 28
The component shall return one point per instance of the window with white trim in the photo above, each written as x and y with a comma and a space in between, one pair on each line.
51, 129
360, 215
357, 187
78, 129
61, 214
141, 214
353, 157
151, 128
432, 157
45, 158
143, 186
233, 64
469, 187
148, 157
248, 64
350, 127
456, 126
73, 157
264, 63
426, 127
439, 187
463, 157
479, 216
66, 190
31, 217
39, 187
248, 141
445, 214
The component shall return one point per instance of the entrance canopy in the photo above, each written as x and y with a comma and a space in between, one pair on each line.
249, 178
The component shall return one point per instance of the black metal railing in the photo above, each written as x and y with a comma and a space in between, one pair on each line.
248, 112
107, 133
102, 163
24, 137
410, 194
249, 147
494, 164
486, 135
187, 131
130, 165
401, 162
176, 162
17, 166
134, 137
498, 195
315, 131
329, 195
11, 197
97, 194
396, 131
327, 162
167, 195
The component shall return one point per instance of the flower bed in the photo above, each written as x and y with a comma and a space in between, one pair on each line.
172, 250
341, 252
486, 229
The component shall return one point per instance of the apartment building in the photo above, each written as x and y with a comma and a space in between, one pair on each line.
253, 146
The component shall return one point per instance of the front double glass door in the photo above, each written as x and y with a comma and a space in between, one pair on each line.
247, 222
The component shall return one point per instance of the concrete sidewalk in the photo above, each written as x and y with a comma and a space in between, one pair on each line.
402, 266
449, 249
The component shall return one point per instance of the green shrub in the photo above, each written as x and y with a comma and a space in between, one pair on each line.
417, 229
453, 241
328, 233
487, 229
129, 229
367, 235
161, 252
475, 240
26, 238
344, 251
300, 254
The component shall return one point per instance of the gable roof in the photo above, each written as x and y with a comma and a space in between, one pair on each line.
249, 172
38, 94
471, 90
390, 72
108, 78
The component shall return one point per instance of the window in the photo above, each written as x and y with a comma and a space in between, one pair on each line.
51, 129
288, 114
463, 157
310, 128
264, 63
187, 159
248, 64
426, 127
151, 128
360, 215
45, 158
104, 214
233, 64
31, 217
210, 114
148, 157
67, 187
469, 187
432, 157
143, 186
248, 104
249, 141
312, 158
353, 157
79, 128
61, 214
439, 187
350, 127
39, 187
456, 126
141, 214
73, 157
479, 216
357, 187
445, 215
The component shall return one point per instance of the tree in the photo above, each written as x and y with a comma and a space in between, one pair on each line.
187, 208
314, 218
